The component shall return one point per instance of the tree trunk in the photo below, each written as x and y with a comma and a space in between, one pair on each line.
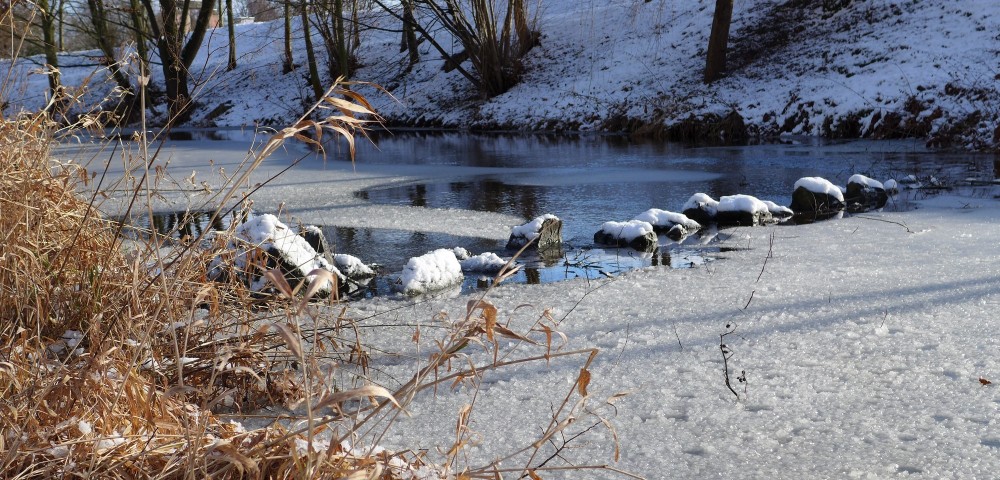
409, 40
343, 65
102, 34
140, 30
176, 55
232, 35
48, 26
317, 87
289, 63
61, 11
715, 64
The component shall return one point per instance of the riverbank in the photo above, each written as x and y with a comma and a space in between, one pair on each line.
882, 70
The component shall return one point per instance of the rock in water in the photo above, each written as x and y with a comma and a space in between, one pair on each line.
816, 197
742, 210
701, 208
864, 194
262, 243
546, 230
429, 272
635, 234
675, 224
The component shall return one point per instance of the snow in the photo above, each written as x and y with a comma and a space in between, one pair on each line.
352, 266
863, 341
778, 210
741, 203
666, 219
910, 182
701, 201
429, 272
865, 181
461, 253
487, 262
266, 232
821, 186
627, 231
862, 357
794, 69
532, 229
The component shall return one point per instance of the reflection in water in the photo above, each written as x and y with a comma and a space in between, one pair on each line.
176, 225
391, 249
586, 181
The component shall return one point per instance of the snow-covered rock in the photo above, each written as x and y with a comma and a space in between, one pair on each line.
865, 194
315, 237
891, 187
744, 210
701, 208
429, 272
352, 266
487, 262
816, 196
262, 243
636, 234
778, 211
910, 182
547, 229
675, 224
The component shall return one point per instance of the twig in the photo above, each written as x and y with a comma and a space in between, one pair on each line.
679, 344
726, 354
886, 221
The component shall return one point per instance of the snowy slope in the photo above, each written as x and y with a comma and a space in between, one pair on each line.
876, 68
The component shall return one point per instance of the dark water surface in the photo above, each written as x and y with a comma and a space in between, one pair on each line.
588, 180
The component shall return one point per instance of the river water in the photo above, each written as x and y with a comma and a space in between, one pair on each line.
587, 180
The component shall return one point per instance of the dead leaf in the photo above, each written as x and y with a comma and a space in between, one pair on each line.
291, 339
276, 277
583, 381
363, 392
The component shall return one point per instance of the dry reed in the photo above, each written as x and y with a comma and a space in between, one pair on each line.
123, 361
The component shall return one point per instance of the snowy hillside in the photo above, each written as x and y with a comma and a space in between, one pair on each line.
877, 68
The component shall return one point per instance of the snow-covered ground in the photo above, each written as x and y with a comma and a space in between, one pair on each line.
863, 341
876, 68
863, 346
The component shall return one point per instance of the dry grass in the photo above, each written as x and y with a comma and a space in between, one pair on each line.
118, 359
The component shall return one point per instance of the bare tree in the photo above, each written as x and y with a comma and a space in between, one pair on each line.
409, 42
314, 80
177, 48
341, 36
494, 34
715, 64
101, 24
288, 62
232, 35
47, 17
